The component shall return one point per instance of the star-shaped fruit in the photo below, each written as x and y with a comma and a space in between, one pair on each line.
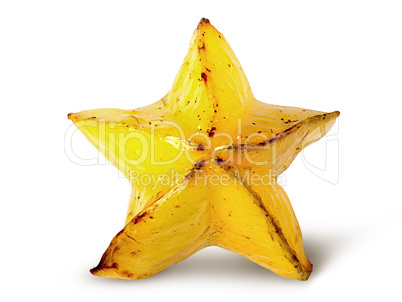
203, 163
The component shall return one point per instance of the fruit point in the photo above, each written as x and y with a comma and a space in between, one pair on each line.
203, 163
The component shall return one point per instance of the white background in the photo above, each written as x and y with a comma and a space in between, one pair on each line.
57, 217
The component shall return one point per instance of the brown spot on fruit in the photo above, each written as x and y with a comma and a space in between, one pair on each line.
199, 165
203, 20
219, 161
139, 217
114, 265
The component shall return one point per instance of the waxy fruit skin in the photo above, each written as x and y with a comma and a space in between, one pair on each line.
203, 163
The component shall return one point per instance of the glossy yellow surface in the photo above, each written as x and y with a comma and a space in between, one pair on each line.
203, 163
